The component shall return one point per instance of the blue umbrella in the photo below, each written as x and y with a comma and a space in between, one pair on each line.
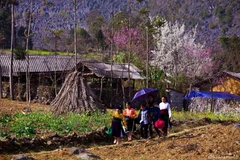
144, 93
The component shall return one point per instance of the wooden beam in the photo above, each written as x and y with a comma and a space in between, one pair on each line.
0, 81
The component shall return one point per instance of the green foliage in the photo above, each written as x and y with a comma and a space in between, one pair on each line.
230, 54
43, 122
156, 79
48, 3
224, 14
144, 10
120, 57
187, 115
100, 39
120, 20
205, 14
63, 14
5, 28
4, 120
28, 124
212, 25
19, 53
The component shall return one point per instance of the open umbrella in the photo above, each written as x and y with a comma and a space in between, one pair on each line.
144, 93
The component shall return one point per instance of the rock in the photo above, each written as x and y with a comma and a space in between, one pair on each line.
83, 154
74, 150
49, 143
237, 125
87, 155
22, 157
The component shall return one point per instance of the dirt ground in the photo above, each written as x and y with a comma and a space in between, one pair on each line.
219, 140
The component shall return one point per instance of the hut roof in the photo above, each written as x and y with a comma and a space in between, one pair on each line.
37, 64
119, 70
51, 63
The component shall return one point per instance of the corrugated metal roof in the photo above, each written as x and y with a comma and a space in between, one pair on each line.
50, 63
38, 64
234, 74
120, 70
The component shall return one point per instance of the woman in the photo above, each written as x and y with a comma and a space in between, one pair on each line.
165, 114
130, 114
117, 119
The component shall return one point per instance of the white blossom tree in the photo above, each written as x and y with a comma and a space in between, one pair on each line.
177, 53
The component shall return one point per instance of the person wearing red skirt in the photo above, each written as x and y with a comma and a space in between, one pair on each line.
165, 114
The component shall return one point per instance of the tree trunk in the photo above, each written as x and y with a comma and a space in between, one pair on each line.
28, 93
75, 32
0, 81
147, 57
11, 56
100, 96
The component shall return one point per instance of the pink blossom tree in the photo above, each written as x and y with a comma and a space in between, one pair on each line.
126, 39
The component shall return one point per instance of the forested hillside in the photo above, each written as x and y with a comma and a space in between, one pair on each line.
186, 40
214, 18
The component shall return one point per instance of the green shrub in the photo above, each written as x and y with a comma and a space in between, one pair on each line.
27, 124
30, 124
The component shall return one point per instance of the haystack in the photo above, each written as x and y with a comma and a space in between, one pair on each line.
76, 96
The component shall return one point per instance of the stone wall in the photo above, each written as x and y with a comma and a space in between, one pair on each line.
175, 98
220, 105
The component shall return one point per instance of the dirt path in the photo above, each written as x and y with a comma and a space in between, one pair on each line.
206, 142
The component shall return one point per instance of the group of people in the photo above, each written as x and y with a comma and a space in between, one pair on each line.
151, 114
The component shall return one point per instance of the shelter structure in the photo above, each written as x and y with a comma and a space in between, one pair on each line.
219, 102
175, 98
214, 95
51, 70
224, 82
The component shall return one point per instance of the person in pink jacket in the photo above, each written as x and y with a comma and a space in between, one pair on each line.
130, 114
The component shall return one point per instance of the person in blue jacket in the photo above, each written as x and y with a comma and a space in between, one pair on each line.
144, 121
151, 109
156, 116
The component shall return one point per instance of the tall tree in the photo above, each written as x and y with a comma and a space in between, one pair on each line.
27, 35
5, 25
95, 22
75, 33
11, 49
230, 54
178, 54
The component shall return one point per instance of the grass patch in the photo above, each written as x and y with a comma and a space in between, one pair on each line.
39, 122
187, 115
44, 52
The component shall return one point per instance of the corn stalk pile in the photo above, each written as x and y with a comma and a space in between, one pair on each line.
76, 96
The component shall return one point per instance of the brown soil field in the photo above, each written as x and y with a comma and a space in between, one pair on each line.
196, 140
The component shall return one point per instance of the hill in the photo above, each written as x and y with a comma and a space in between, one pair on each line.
213, 18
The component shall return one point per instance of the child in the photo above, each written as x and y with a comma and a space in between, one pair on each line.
117, 119
144, 122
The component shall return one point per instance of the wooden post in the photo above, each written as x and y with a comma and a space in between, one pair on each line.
100, 97
123, 91
0, 81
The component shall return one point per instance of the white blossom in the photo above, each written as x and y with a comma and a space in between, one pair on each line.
177, 52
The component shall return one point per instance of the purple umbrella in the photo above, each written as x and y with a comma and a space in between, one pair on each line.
143, 94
